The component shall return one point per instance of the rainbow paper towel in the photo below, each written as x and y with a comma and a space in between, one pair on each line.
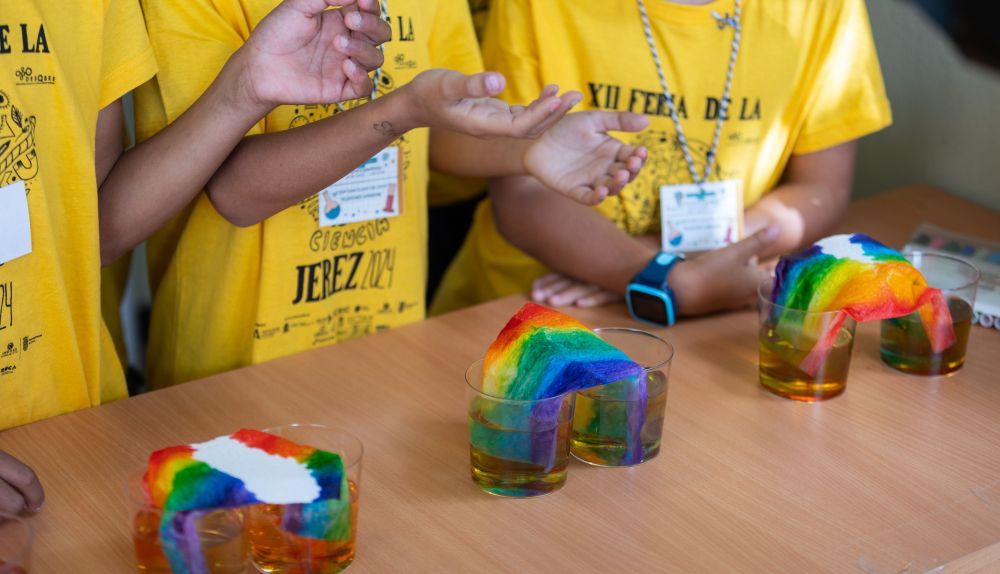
542, 353
245, 468
863, 278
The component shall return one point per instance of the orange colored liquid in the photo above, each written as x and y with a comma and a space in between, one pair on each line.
223, 542
276, 551
905, 346
781, 375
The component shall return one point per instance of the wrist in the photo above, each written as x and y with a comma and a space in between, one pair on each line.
685, 289
234, 89
403, 110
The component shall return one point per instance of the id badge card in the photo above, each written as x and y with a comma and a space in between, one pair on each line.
701, 217
15, 225
372, 191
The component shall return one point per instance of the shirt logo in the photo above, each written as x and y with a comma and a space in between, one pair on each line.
26, 76
18, 161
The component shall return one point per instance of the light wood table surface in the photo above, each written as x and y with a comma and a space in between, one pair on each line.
745, 481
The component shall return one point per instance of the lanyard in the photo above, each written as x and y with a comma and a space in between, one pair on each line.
378, 71
723, 21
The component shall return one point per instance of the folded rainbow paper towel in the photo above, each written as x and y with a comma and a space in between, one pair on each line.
867, 281
541, 354
248, 467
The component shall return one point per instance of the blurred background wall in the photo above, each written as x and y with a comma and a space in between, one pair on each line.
945, 104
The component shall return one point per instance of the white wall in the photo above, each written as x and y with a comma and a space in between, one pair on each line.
946, 111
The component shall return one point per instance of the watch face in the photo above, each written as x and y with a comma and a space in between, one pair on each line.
649, 307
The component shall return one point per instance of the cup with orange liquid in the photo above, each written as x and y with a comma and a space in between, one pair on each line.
15, 544
786, 337
274, 549
904, 344
221, 533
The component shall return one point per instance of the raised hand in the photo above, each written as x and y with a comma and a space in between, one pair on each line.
304, 53
446, 99
577, 157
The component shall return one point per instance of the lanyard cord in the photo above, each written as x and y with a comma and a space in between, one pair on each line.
381, 49
733, 21
378, 71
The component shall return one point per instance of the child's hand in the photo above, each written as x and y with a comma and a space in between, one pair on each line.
19, 487
303, 53
559, 290
723, 279
446, 99
579, 159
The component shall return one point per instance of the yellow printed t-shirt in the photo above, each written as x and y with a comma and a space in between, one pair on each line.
60, 63
224, 296
445, 189
807, 78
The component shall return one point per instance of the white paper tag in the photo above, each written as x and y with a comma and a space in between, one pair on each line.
371, 191
15, 224
701, 217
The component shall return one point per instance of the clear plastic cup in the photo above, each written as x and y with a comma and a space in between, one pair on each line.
221, 532
904, 344
787, 340
605, 417
518, 448
274, 549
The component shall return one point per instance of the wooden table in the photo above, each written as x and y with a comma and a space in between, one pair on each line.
745, 481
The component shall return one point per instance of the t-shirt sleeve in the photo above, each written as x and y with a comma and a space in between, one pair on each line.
192, 40
848, 97
453, 42
510, 47
126, 56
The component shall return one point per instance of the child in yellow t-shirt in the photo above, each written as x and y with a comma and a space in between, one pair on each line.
241, 277
805, 85
71, 197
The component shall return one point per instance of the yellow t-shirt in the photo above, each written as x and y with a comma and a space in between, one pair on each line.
445, 189
807, 78
224, 296
60, 63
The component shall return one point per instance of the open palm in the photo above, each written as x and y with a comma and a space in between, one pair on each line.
446, 99
577, 157
303, 53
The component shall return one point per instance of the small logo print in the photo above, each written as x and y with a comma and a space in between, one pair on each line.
402, 63
28, 77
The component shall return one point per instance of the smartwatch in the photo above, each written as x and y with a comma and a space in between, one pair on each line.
649, 298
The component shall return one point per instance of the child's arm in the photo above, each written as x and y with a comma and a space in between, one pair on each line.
19, 486
810, 201
579, 242
256, 182
300, 52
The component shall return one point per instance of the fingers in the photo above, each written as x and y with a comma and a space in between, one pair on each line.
548, 285
369, 26
620, 121
572, 294
360, 83
544, 112
598, 299
456, 86
20, 488
753, 245
588, 195
362, 52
